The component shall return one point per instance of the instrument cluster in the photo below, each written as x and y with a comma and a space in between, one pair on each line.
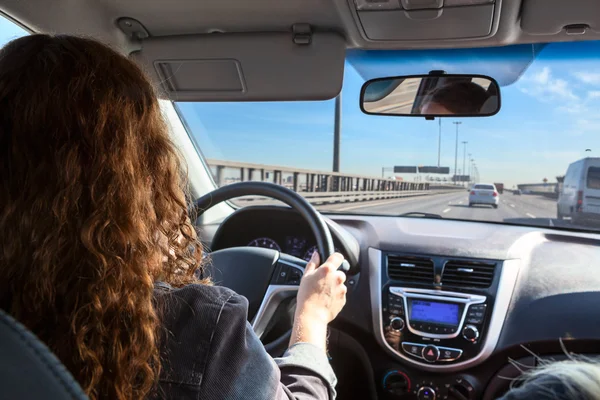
296, 246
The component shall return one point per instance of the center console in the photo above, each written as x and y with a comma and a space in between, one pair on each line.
439, 314
433, 327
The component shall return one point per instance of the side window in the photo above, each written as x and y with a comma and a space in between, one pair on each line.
9, 30
593, 178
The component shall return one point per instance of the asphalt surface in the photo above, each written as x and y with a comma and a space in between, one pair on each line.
517, 209
523, 209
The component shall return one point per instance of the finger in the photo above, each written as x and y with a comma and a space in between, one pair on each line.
336, 259
313, 262
343, 291
333, 262
340, 277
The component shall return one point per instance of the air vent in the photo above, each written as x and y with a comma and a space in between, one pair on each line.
410, 269
468, 274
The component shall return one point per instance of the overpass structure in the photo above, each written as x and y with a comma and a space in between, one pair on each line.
323, 186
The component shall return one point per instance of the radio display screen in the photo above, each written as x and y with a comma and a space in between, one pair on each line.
435, 312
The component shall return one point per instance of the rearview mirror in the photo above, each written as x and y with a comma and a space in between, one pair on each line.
432, 96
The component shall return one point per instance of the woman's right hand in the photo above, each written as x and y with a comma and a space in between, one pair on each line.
321, 296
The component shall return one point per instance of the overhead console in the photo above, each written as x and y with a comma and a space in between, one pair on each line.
440, 313
551, 17
408, 20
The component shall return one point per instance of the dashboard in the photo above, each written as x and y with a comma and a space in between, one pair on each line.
444, 309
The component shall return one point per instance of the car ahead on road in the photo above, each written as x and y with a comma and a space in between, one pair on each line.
517, 192
579, 197
484, 193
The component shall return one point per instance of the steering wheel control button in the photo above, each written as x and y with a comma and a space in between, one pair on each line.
414, 349
282, 274
397, 324
431, 354
470, 333
447, 354
426, 393
294, 276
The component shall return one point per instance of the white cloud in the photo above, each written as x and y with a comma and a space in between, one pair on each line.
592, 78
544, 87
542, 77
593, 94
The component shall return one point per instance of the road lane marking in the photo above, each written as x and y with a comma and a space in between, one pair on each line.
530, 215
512, 205
446, 210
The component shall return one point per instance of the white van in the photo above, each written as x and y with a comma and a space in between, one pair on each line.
579, 197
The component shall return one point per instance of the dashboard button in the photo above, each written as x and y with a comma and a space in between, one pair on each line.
431, 353
448, 354
474, 320
282, 274
396, 310
426, 393
478, 307
413, 349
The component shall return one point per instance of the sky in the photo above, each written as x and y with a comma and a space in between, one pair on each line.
549, 117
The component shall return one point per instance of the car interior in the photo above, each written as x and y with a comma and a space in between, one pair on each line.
437, 308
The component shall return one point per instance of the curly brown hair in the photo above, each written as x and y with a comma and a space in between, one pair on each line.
92, 209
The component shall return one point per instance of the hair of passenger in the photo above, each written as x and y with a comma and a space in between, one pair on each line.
459, 98
93, 211
576, 378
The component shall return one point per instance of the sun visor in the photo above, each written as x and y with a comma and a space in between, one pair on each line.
551, 17
245, 67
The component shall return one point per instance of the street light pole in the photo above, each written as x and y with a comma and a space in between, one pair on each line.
471, 162
464, 158
337, 126
439, 141
456, 151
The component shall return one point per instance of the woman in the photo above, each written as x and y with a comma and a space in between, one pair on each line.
99, 259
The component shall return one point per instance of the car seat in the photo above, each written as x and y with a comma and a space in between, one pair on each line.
28, 369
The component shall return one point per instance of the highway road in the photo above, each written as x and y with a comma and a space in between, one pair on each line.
525, 209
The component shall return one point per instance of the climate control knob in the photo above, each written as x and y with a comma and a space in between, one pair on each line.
396, 382
426, 393
470, 333
397, 324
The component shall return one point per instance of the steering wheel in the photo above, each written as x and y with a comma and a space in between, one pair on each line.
266, 277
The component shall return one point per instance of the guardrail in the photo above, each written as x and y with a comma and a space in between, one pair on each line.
321, 187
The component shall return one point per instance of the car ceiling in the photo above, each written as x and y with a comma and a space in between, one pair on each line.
499, 23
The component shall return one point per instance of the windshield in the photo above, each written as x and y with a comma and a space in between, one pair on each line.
547, 124
486, 187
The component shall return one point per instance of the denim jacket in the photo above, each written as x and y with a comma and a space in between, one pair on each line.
209, 351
